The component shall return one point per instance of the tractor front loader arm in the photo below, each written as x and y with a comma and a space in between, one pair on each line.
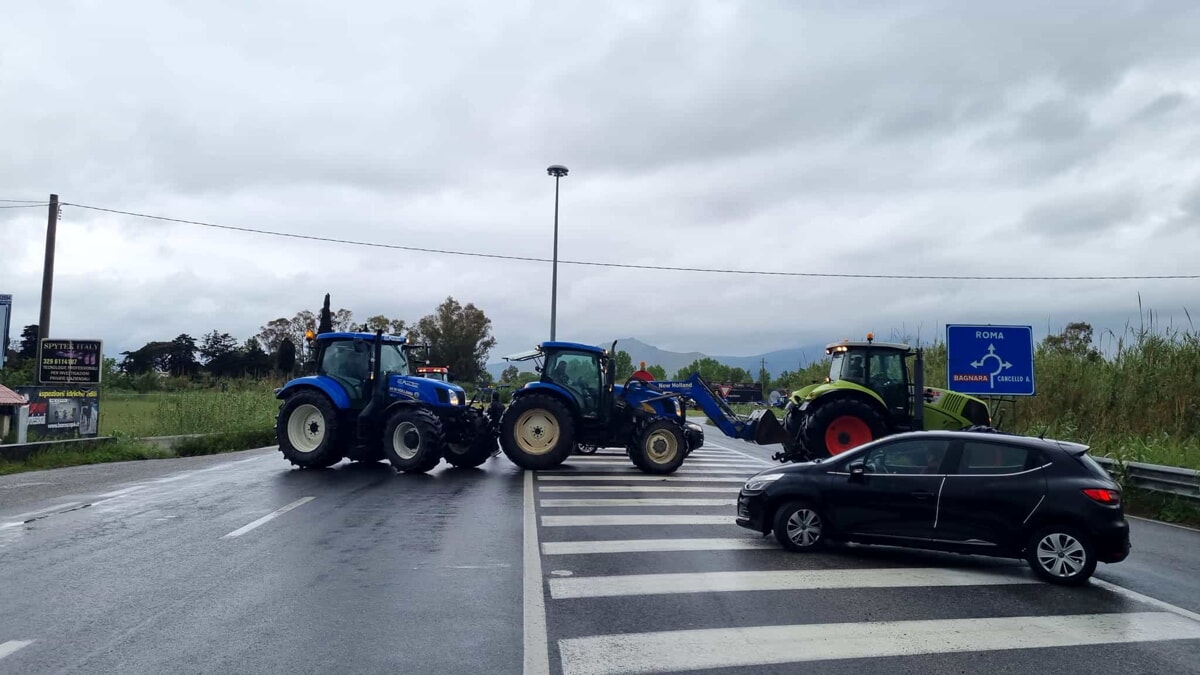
760, 427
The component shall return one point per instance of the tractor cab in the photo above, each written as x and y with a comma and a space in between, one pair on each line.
877, 366
346, 358
584, 371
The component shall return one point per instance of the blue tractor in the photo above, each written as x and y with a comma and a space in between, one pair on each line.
576, 403
366, 404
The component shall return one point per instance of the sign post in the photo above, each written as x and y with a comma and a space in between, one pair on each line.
70, 361
5, 313
990, 360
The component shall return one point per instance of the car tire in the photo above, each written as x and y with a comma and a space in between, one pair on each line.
307, 430
800, 526
537, 432
1061, 554
839, 425
413, 440
659, 446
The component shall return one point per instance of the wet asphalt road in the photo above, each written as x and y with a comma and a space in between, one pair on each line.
178, 566
378, 572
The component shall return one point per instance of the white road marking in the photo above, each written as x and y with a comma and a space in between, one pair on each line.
537, 645
637, 477
117, 493
1134, 595
267, 518
634, 471
579, 521
779, 580
7, 648
617, 501
669, 651
746, 454
704, 463
648, 545
636, 488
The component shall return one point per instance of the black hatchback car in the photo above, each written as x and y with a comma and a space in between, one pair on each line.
975, 492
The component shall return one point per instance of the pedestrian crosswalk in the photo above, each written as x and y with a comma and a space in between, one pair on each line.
650, 574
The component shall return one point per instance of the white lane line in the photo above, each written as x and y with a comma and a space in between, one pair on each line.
589, 521
1134, 595
118, 493
537, 645
7, 648
634, 471
269, 517
637, 477
746, 454
650, 545
617, 501
778, 580
669, 651
702, 464
636, 488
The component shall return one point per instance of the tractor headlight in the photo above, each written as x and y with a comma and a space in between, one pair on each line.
678, 408
761, 481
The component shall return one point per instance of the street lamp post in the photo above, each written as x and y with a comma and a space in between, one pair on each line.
558, 171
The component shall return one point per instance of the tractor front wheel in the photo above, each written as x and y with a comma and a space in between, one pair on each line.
413, 440
537, 432
307, 431
839, 425
472, 454
658, 447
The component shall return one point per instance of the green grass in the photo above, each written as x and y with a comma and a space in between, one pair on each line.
118, 450
188, 412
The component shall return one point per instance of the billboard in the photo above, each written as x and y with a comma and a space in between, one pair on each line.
5, 313
62, 412
70, 361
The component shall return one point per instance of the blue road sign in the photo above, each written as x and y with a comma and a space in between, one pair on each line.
990, 360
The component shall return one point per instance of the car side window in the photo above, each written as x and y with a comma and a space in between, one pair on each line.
908, 457
990, 458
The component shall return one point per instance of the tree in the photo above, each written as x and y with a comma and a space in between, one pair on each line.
152, 357
1075, 340
509, 375
326, 323
657, 371
273, 333
215, 345
624, 365
738, 375
343, 319
285, 361
460, 337
181, 356
709, 368
29, 341
389, 326
256, 362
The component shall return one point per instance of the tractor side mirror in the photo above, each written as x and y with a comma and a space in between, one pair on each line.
857, 468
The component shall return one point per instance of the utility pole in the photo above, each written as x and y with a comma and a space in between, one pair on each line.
558, 171
48, 272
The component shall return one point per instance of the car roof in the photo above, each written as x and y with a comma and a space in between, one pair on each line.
1071, 447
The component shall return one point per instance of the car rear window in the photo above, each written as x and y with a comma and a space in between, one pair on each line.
994, 458
1093, 466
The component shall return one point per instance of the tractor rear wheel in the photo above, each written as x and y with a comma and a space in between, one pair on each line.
658, 446
839, 425
307, 431
413, 440
537, 432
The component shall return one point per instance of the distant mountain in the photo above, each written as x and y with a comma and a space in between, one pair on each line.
776, 361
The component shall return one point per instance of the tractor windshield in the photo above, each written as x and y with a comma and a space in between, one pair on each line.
847, 366
391, 360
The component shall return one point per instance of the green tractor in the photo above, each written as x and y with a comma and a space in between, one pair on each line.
869, 394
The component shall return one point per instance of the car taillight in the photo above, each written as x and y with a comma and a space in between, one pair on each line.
1103, 496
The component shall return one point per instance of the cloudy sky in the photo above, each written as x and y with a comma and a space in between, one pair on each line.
888, 138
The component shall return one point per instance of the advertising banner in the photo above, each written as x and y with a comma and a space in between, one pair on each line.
5, 312
70, 361
62, 412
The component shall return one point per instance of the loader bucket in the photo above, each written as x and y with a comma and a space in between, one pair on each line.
764, 428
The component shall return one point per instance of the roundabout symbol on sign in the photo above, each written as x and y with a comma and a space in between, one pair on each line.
1001, 364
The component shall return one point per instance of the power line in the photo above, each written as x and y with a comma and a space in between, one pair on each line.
35, 202
22, 206
667, 268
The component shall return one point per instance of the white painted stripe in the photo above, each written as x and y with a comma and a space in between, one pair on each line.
591, 521
637, 488
634, 501
7, 648
673, 478
118, 493
1134, 595
634, 471
746, 454
647, 545
688, 463
269, 517
779, 580
673, 651
537, 645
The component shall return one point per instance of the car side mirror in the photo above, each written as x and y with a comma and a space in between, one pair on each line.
857, 468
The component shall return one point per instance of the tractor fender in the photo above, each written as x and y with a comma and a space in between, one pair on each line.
821, 391
552, 389
325, 385
846, 391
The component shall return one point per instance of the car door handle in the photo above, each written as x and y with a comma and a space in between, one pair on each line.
922, 494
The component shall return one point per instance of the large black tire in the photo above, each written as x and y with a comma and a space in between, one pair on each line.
800, 526
658, 446
413, 440
1061, 554
307, 431
470, 455
840, 424
537, 432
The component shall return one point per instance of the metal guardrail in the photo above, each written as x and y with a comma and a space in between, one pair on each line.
1155, 478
